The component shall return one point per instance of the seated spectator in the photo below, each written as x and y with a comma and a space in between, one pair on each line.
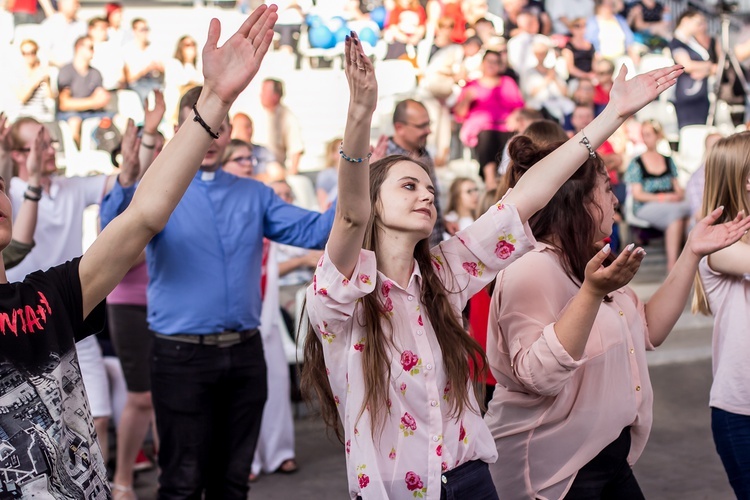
291, 16
604, 71
483, 107
658, 197
610, 33
520, 54
543, 88
463, 202
28, 11
143, 67
327, 182
182, 72
113, 15
82, 94
453, 10
239, 160
61, 30
485, 31
32, 85
471, 64
405, 27
649, 20
107, 55
442, 38
513, 8
564, 13
579, 53
518, 122
242, 129
474, 10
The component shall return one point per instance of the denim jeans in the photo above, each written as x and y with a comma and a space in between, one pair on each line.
732, 438
608, 475
468, 480
209, 403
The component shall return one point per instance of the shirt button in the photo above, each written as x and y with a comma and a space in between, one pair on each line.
429, 366
410, 298
444, 479
632, 350
622, 313
433, 403
419, 332
637, 387
435, 438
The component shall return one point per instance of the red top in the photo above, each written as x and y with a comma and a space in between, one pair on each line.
26, 6
396, 13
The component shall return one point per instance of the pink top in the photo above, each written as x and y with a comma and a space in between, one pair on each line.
729, 298
550, 415
490, 108
132, 289
419, 439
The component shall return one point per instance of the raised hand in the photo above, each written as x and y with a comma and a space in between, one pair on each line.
131, 167
153, 116
630, 96
380, 149
602, 280
707, 237
4, 131
363, 87
34, 162
228, 69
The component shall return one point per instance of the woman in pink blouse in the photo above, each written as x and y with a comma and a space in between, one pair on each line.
567, 343
723, 289
483, 108
386, 354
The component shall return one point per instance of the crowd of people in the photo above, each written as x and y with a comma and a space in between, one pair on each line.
429, 344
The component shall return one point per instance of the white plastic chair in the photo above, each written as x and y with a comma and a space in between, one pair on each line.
88, 126
28, 32
129, 105
692, 147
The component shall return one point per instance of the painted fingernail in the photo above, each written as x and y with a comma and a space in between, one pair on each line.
631, 247
347, 38
606, 248
351, 32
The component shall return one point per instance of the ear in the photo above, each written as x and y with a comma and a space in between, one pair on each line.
18, 158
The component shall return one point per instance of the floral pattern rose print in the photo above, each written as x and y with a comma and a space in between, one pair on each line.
360, 345
362, 477
437, 262
419, 321
364, 278
403, 388
392, 454
505, 246
414, 483
408, 425
409, 360
462, 435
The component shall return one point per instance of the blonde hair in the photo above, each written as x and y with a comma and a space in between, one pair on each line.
727, 172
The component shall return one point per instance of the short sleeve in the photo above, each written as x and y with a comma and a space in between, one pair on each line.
65, 77
634, 175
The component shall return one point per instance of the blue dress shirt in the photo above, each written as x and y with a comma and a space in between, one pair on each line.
204, 267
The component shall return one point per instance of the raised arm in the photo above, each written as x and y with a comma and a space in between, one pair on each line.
539, 184
353, 207
24, 224
227, 70
667, 304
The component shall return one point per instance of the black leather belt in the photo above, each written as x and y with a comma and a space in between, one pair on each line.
227, 338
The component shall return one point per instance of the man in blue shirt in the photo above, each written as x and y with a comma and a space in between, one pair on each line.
204, 303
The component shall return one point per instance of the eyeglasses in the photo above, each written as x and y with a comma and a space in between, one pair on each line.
145, 29
53, 144
445, 26
245, 159
420, 126
578, 25
28, 53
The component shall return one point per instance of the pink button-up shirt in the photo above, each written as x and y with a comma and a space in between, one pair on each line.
419, 439
550, 414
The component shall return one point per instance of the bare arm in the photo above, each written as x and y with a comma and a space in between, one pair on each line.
541, 182
228, 70
667, 304
353, 206
153, 117
97, 100
734, 259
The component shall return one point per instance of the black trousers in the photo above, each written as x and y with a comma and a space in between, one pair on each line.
608, 475
209, 404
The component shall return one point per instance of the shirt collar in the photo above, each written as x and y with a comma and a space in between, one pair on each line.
416, 276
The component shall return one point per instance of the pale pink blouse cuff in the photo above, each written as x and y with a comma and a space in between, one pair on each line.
335, 294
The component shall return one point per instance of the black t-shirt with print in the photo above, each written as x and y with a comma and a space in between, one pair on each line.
48, 443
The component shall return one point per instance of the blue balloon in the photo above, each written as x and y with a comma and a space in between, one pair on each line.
313, 20
368, 35
378, 15
341, 33
336, 23
321, 37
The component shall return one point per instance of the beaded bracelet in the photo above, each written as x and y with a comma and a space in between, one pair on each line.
352, 160
197, 118
585, 142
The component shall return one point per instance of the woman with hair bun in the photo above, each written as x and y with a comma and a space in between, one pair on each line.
567, 343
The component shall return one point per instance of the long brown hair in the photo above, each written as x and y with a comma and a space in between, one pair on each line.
727, 172
565, 222
458, 348
454, 194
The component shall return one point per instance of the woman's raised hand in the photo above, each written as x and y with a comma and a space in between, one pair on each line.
629, 96
602, 280
363, 87
707, 237
228, 69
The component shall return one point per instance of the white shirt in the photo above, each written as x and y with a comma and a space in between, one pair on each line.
108, 60
61, 36
59, 228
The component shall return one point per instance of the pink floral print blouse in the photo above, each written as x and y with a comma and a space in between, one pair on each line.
419, 440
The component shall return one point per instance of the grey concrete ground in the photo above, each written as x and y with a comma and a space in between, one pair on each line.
679, 462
